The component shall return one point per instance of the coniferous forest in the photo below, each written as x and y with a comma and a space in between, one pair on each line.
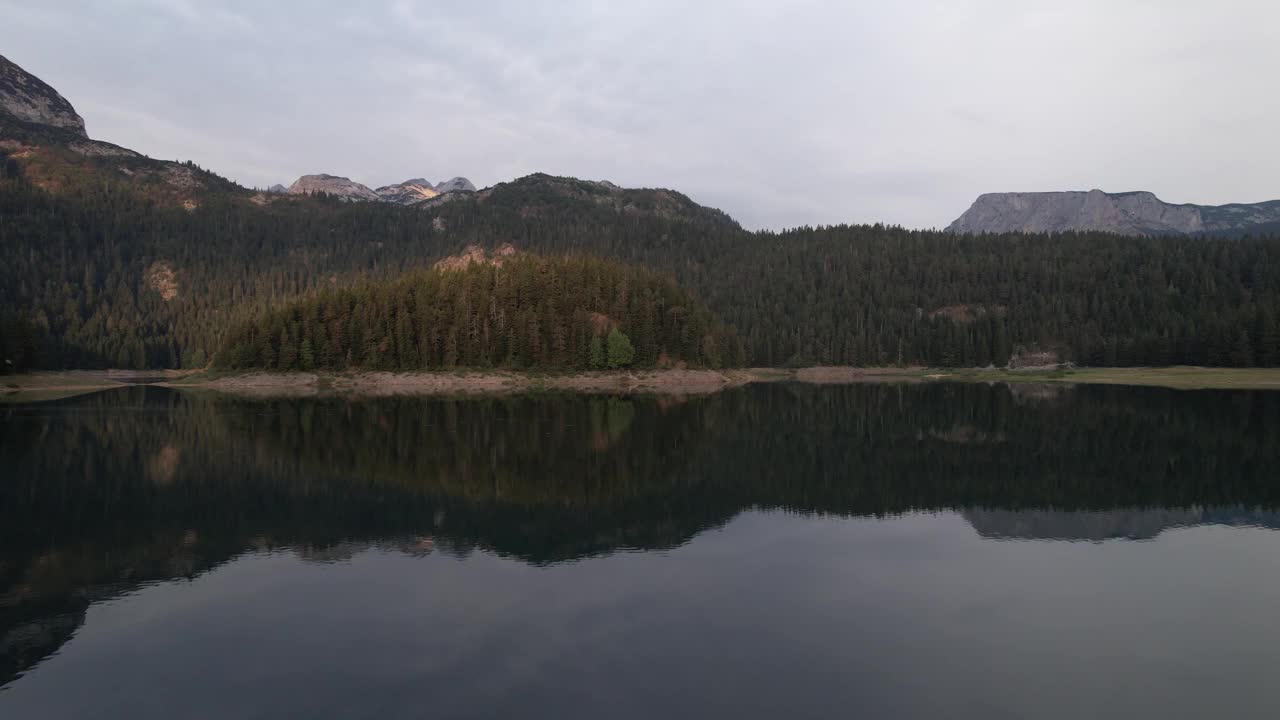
101, 273
520, 311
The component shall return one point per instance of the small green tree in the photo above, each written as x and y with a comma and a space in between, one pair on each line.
288, 355
307, 355
595, 353
619, 349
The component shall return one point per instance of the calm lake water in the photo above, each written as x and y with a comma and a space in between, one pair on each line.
958, 551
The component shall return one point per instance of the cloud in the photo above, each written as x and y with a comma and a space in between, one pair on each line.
781, 114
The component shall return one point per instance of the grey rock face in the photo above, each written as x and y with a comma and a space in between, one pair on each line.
28, 98
1130, 213
345, 188
278, 189
409, 192
457, 184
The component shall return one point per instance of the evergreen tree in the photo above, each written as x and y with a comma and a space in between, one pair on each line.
595, 355
620, 350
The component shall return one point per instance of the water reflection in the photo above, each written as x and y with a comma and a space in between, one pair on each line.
1099, 526
106, 493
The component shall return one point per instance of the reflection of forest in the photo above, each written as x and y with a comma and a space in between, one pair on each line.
1129, 524
106, 492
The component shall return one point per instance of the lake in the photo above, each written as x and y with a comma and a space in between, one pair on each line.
935, 550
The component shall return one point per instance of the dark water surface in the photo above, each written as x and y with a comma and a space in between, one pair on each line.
956, 551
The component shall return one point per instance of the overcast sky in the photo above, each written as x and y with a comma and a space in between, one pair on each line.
780, 113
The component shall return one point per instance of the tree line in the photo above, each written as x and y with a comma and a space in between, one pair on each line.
80, 268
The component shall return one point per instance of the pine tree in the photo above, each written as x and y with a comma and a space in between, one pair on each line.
288, 356
1242, 352
306, 355
595, 356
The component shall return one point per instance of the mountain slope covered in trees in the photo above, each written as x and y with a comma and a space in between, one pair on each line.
112, 259
512, 311
109, 276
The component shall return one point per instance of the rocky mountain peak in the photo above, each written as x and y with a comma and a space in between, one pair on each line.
30, 99
342, 187
408, 192
456, 184
1126, 213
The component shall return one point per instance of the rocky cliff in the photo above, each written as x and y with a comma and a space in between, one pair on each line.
40, 130
30, 99
1129, 213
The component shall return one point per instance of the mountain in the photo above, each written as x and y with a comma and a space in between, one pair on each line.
42, 131
278, 189
457, 184
542, 196
340, 187
412, 192
408, 192
113, 259
1128, 213
27, 97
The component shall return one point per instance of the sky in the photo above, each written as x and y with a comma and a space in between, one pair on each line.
780, 113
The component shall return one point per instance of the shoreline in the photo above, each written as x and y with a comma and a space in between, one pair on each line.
700, 382
49, 385
381, 384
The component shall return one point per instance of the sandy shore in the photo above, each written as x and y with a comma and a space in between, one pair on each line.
843, 375
53, 385
428, 383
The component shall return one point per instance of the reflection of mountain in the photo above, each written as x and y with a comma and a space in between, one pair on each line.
1134, 524
105, 493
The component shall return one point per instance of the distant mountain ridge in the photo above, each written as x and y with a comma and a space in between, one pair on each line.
409, 192
1127, 213
42, 131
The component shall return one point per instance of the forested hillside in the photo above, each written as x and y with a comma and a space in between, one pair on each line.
515, 311
107, 274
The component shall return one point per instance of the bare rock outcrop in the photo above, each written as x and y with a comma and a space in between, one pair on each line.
409, 192
1128, 213
475, 255
341, 187
161, 277
457, 184
30, 99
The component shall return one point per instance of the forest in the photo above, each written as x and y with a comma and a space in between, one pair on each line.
515, 311
99, 274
